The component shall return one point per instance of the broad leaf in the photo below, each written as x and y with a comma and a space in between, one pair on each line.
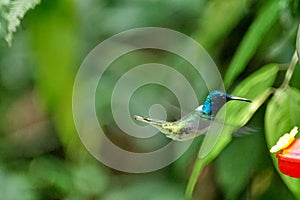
213, 27
253, 38
55, 77
257, 88
238, 113
281, 116
234, 166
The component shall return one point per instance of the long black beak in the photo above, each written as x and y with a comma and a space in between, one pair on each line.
239, 99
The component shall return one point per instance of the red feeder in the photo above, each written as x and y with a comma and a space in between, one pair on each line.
289, 159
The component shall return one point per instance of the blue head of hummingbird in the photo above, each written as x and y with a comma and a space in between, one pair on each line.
195, 123
215, 100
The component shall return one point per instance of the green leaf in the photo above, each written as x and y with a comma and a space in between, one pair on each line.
205, 158
55, 77
256, 87
234, 166
213, 27
4, 8
251, 88
281, 116
16, 12
253, 38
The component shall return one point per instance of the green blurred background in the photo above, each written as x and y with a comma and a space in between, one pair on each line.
41, 156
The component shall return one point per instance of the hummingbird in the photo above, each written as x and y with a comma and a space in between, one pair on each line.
195, 123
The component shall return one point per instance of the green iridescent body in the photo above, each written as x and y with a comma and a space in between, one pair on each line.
190, 126
194, 123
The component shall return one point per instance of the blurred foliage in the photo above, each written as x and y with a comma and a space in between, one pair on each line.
41, 156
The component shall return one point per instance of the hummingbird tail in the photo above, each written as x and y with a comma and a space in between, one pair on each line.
170, 129
154, 122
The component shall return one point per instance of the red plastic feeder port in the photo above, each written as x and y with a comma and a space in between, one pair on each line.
289, 159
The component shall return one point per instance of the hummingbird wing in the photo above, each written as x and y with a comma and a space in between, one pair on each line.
192, 125
246, 130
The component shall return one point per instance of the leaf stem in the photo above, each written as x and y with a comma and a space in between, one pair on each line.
290, 71
197, 169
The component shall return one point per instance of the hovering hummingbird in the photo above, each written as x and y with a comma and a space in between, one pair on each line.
195, 123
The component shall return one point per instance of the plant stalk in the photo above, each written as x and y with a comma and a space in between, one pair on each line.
290, 71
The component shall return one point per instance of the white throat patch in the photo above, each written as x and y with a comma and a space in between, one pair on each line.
199, 108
